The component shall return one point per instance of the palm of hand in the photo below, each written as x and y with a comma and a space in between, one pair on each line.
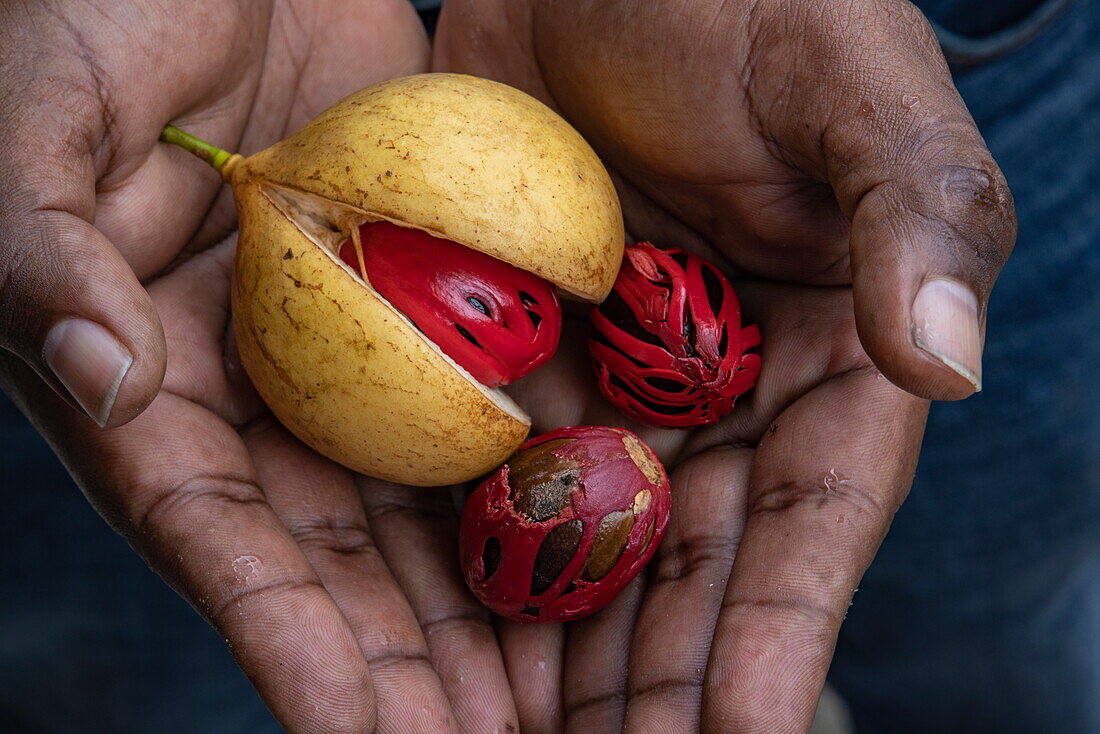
341, 602
800, 437
312, 575
800, 482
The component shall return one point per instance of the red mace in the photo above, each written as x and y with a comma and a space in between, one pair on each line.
668, 346
495, 320
558, 531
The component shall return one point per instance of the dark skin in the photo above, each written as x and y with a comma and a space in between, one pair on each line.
340, 600
740, 133
822, 154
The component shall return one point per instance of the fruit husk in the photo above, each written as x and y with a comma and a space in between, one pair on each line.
348, 374
469, 160
466, 159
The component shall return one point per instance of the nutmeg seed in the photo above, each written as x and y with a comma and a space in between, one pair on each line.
562, 527
542, 483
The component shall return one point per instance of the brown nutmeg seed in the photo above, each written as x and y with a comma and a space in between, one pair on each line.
555, 553
542, 482
611, 537
561, 528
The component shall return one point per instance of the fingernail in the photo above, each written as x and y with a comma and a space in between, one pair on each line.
90, 362
945, 324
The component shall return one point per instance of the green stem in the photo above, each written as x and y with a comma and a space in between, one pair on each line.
213, 155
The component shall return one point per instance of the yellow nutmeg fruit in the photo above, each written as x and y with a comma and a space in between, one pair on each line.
467, 160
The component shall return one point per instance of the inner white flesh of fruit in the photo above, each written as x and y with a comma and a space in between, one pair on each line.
329, 224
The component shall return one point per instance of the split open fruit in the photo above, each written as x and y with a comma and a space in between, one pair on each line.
376, 375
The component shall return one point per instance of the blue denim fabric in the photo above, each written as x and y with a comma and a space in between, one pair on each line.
981, 612
977, 19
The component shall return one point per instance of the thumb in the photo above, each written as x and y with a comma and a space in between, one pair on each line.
932, 219
70, 306
926, 247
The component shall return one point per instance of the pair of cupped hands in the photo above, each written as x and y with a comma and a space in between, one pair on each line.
817, 150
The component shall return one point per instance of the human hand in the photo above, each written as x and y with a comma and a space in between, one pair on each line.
342, 603
822, 153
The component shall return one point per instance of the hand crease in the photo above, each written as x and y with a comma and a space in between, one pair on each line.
236, 598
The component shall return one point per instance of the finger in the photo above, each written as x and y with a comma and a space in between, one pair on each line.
534, 655
596, 654
823, 489
179, 485
416, 530
668, 658
193, 301
252, 101
932, 217
71, 307
319, 504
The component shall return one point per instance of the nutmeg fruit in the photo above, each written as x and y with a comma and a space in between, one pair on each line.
559, 530
473, 163
668, 344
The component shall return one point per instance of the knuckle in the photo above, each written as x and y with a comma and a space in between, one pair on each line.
975, 189
410, 658
693, 555
379, 509
147, 516
331, 536
833, 493
614, 699
462, 623
276, 593
384, 509
795, 608
668, 688
956, 186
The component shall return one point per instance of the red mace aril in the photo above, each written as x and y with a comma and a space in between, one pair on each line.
668, 346
496, 321
558, 531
